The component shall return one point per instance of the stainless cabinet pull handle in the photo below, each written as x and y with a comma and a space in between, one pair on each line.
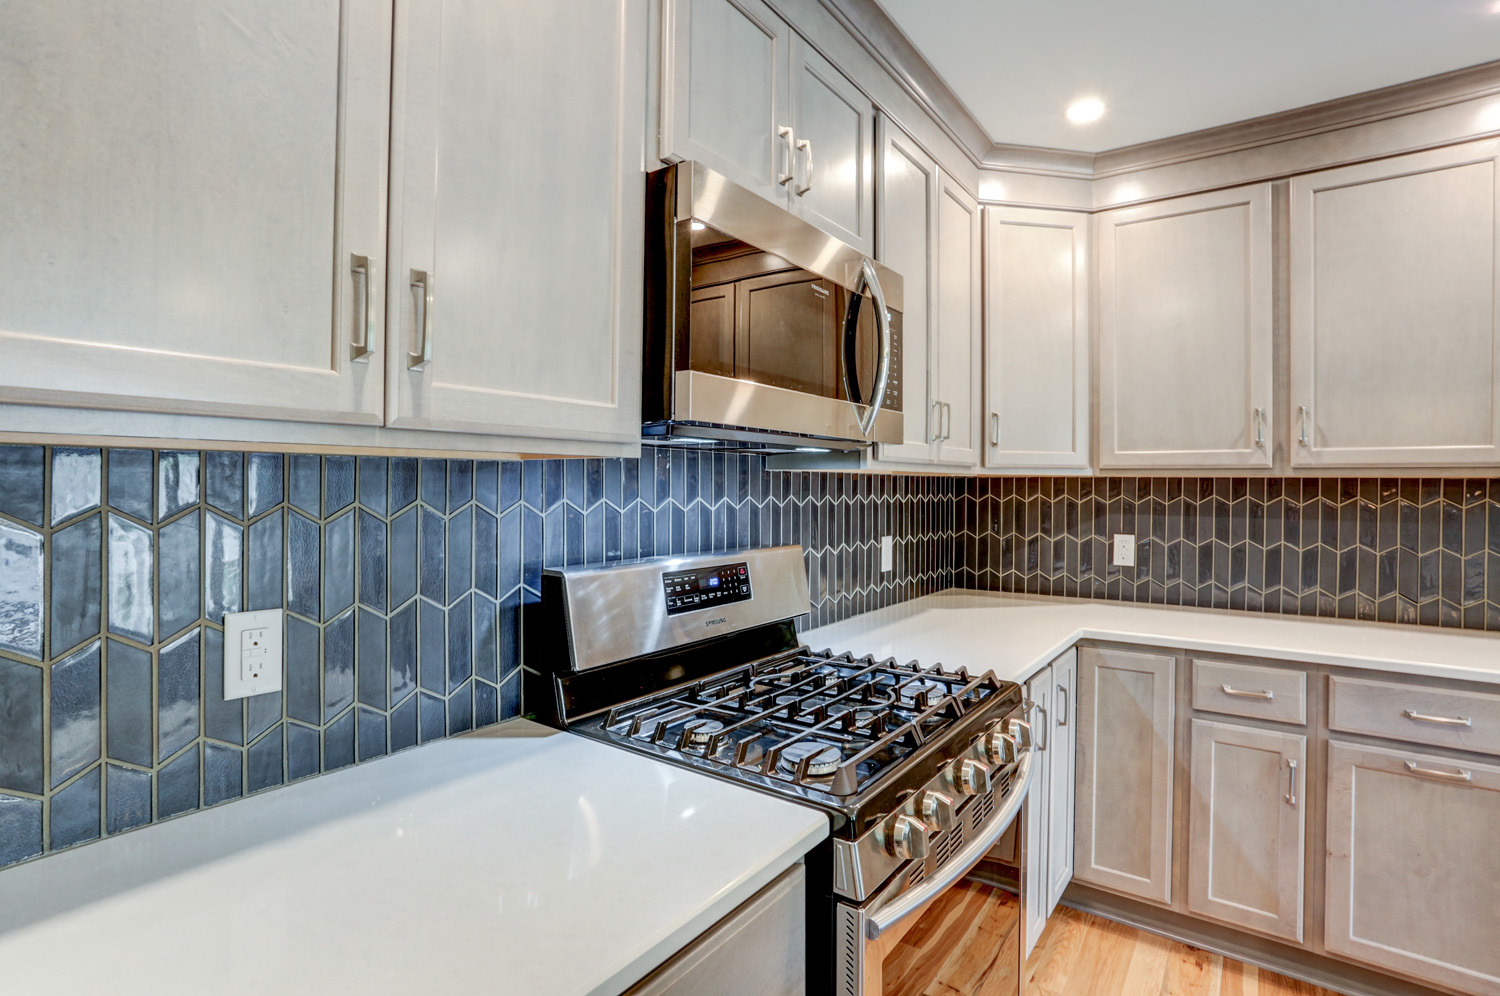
1457, 775
359, 349
1291, 781
947, 421
422, 280
935, 423
1260, 428
1264, 693
994, 428
804, 146
1304, 413
788, 158
1062, 706
1420, 717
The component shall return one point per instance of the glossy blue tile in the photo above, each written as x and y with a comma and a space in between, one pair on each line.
576, 525
486, 648
510, 483
534, 483
371, 733
304, 567
263, 567
303, 671
510, 698
460, 643
338, 665
264, 481
461, 710
374, 484
74, 812
263, 763
21, 751
20, 829
460, 483
403, 482
338, 483
508, 633
176, 482
177, 681
432, 647
460, 553
370, 667
647, 527
177, 785
21, 573
630, 532
338, 565
613, 539
76, 722
532, 536
553, 484
338, 743
593, 536
221, 720
630, 483
487, 484
434, 560
128, 718
404, 725
77, 481
22, 473
224, 478
403, 652
305, 483
372, 572
127, 795
574, 484
130, 482
432, 718
593, 482
261, 713
508, 551
486, 553
223, 774
613, 473
486, 705
303, 751
223, 569
179, 593
132, 601
435, 483
403, 558
76, 581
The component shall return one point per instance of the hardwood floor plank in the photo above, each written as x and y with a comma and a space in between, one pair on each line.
1193, 972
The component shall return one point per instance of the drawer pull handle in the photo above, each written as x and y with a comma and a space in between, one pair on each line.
1458, 775
1291, 781
1419, 717
1243, 693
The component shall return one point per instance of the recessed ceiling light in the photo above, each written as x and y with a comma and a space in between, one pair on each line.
1086, 110
699, 226
1495, 7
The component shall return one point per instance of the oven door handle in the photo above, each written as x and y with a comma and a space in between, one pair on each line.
961, 863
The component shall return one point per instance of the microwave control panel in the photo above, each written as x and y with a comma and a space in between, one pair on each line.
688, 591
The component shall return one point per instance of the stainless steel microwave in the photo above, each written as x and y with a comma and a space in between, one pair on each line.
761, 330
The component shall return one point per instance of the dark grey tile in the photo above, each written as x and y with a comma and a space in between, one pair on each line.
75, 717
338, 483
223, 570
510, 484
21, 754
485, 553
432, 647
371, 733
20, 829
460, 643
223, 774
304, 566
74, 815
434, 557
460, 554
224, 476
403, 558
374, 484
22, 473
130, 482
176, 482
432, 718
305, 483
404, 725
460, 483
338, 665
403, 652
129, 715
371, 668
403, 483
127, 795
486, 649
303, 751
338, 743
76, 579
132, 589
338, 565
221, 720
263, 763
487, 484
179, 593
264, 484
263, 589
303, 694
461, 710
177, 683
21, 605
177, 785
77, 481
486, 705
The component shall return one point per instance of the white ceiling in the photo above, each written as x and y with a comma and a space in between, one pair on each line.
1165, 67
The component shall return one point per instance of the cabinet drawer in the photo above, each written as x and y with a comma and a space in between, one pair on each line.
1250, 690
1442, 717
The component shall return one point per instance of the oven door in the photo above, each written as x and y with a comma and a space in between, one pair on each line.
877, 942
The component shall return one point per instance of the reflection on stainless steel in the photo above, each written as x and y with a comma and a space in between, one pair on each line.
703, 397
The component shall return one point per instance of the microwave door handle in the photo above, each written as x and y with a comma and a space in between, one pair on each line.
871, 280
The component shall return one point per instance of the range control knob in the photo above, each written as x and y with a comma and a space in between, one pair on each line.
971, 777
907, 838
937, 811
999, 748
1020, 732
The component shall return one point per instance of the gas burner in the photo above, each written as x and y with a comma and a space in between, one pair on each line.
824, 757
699, 730
861, 717
928, 685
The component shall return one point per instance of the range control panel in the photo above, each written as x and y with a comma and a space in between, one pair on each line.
706, 587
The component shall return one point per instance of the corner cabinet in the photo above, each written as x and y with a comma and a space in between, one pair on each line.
1395, 323
1185, 332
1036, 339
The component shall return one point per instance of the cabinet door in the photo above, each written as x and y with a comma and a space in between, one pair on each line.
1061, 768
1395, 333
1123, 830
1185, 332
834, 127
1036, 858
907, 194
181, 216
958, 326
724, 90
1246, 830
1413, 875
1036, 339
517, 213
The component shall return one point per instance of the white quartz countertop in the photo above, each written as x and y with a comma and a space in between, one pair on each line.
1016, 635
518, 860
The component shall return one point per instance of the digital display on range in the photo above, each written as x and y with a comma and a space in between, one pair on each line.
687, 591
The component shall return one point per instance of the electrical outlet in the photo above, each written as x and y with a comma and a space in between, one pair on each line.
1124, 549
887, 554
252, 653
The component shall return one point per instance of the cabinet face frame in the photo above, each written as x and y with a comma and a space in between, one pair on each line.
1256, 363
1061, 769
1304, 328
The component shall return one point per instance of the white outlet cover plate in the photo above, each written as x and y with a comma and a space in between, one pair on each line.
887, 554
1124, 549
253, 657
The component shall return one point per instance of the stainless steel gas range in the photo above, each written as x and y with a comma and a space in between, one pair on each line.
696, 661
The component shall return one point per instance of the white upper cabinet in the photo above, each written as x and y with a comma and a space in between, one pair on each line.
192, 201
1185, 332
957, 328
516, 218
1395, 329
1036, 339
747, 97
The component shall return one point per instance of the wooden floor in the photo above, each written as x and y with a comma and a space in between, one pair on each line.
965, 942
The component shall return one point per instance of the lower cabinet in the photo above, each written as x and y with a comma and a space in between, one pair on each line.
1048, 861
1246, 831
1413, 874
